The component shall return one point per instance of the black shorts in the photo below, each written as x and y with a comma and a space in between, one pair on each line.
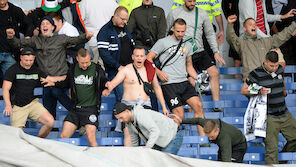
202, 61
232, 53
83, 116
176, 94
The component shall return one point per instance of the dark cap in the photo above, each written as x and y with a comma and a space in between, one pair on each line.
28, 51
120, 107
50, 20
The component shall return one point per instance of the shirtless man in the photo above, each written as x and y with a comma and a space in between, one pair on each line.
133, 91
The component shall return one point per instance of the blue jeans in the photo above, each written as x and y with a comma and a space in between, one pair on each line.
118, 90
50, 97
6, 60
154, 102
174, 146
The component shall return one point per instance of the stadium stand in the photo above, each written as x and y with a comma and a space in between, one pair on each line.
233, 103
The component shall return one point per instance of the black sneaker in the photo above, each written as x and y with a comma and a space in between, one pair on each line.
217, 110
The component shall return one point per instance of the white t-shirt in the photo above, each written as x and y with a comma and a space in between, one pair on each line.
95, 14
69, 30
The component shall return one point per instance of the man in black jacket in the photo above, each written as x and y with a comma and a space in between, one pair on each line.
37, 14
232, 143
147, 24
87, 82
11, 16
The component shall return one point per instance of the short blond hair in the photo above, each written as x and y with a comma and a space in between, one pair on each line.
210, 126
119, 9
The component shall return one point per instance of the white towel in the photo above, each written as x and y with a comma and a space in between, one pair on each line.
255, 118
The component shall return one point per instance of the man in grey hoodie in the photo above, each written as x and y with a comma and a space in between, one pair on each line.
155, 129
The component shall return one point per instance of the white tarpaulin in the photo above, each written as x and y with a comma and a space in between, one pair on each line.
20, 149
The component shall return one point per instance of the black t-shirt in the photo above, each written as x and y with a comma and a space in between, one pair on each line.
14, 18
23, 82
125, 49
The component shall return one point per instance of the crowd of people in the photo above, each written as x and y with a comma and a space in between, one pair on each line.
145, 58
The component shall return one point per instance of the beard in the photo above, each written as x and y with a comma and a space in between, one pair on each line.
188, 7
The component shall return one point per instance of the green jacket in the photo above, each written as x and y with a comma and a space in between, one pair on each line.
50, 51
228, 136
144, 18
252, 49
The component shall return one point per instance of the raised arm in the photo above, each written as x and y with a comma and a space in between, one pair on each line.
83, 38
280, 38
17, 43
231, 37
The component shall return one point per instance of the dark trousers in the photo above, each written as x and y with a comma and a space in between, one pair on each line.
50, 97
118, 90
154, 102
238, 152
286, 125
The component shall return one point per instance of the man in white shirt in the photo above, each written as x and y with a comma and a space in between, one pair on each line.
95, 14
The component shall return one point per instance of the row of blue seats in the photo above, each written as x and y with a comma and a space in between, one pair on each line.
238, 70
210, 153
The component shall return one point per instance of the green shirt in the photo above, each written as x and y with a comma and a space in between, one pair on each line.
228, 136
85, 85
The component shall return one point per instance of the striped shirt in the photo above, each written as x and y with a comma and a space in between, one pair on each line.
260, 16
276, 105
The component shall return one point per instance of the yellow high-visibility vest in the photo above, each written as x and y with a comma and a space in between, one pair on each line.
130, 4
212, 7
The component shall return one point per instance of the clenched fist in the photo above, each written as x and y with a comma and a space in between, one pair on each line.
10, 33
231, 19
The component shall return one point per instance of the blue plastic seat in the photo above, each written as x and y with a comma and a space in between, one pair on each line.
74, 141
5, 120
236, 103
234, 120
210, 153
110, 141
288, 156
2, 105
230, 81
188, 152
38, 91
251, 157
195, 139
234, 112
231, 86
230, 70
108, 106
